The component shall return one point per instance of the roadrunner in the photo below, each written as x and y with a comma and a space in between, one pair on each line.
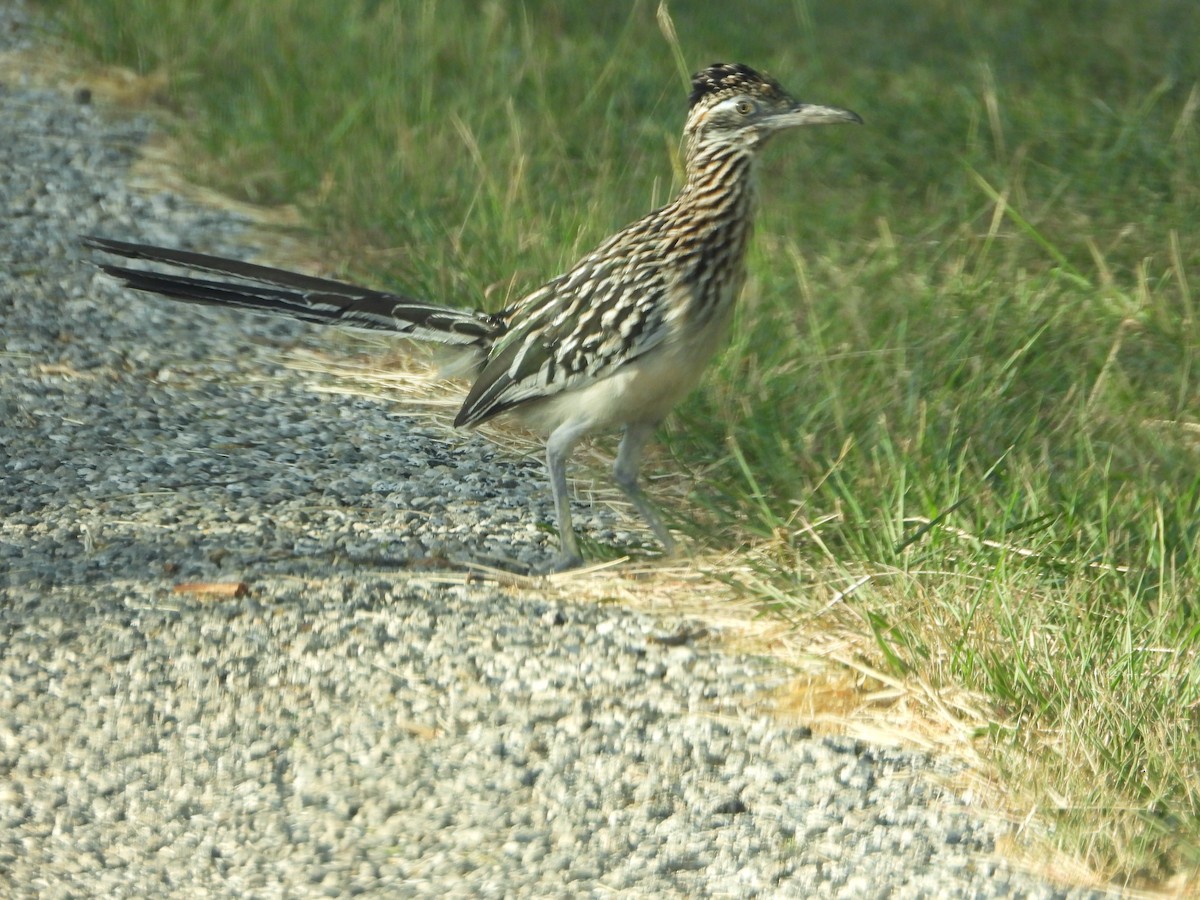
615, 342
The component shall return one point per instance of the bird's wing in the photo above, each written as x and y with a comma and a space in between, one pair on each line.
606, 312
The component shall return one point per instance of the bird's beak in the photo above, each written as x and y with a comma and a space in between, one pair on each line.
812, 114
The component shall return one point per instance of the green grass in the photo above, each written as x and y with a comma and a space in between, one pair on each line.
966, 366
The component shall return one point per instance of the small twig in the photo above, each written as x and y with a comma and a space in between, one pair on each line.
843, 594
1024, 552
929, 525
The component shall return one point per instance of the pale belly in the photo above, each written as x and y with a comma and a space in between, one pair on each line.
641, 392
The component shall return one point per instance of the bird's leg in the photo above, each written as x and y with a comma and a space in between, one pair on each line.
625, 473
558, 450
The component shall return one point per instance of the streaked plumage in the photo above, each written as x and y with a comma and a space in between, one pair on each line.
616, 341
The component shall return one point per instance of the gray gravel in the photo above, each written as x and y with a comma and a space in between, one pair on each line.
350, 726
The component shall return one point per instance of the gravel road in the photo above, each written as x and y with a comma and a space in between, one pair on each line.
349, 726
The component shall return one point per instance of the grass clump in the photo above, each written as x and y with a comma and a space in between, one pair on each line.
964, 377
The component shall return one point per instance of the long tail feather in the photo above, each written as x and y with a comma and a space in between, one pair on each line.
322, 301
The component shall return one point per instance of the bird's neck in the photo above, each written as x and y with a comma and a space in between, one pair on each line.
715, 209
720, 184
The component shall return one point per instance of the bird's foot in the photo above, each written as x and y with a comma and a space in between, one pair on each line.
564, 562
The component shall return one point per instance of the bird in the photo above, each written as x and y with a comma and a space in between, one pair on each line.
614, 342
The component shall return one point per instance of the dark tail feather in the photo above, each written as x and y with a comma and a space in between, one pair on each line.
305, 297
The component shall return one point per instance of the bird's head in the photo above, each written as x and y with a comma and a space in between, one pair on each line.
731, 104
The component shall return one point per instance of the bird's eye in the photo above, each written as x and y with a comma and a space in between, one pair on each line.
744, 107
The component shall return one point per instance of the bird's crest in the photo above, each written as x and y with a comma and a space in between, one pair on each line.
722, 80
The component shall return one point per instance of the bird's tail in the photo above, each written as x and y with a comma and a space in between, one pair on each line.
310, 299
